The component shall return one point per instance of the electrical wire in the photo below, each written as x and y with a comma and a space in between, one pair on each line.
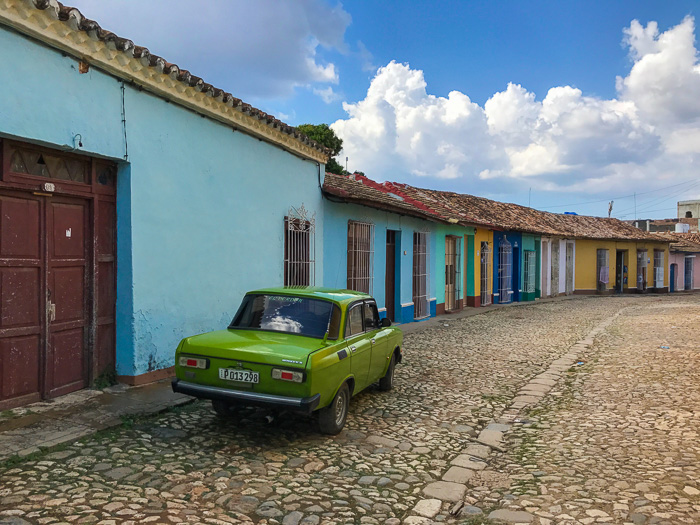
618, 198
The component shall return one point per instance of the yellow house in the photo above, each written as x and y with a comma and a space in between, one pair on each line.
609, 266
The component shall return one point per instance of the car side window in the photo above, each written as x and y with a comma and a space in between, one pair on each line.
354, 322
371, 316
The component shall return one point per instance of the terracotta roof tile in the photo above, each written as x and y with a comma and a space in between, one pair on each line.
75, 19
682, 242
470, 210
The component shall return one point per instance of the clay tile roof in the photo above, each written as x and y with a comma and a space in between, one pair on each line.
469, 210
682, 242
361, 190
76, 21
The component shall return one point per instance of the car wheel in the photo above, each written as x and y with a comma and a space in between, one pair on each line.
222, 408
331, 419
387, 382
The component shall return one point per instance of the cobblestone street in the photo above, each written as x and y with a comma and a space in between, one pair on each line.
615, 440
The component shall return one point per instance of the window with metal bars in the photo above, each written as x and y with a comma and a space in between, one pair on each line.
602, 269
641, 270
453, 273
360, 256
299, 248
658, 269
688, 272
421, 306
569, 268
486, 274
505, 271
529, 267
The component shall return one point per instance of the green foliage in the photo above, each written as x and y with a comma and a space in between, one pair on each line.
325, 136
106, 378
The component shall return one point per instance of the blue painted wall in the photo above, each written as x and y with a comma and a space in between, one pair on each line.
336, 217
200, 208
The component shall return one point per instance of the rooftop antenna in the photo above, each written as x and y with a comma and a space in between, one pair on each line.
610, 205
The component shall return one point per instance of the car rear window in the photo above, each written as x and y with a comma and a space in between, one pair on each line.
293, 315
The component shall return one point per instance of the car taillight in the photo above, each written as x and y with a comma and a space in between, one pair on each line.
287, 375
193, 362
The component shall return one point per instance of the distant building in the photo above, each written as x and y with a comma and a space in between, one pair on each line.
689, 209
682, 225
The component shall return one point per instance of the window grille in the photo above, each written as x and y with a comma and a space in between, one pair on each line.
299, 247
420, 275
641, 270
530, 261
556, 249
569, 268
688, 273
486, 274
603, 269
505, 271
360, 256
453, 273
658, 269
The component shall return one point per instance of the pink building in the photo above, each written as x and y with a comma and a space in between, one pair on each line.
684, 262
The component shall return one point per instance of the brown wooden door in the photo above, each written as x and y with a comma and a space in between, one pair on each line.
43, 309
66, 221
22, 315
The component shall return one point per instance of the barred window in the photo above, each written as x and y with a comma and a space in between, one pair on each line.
603, 269
420, 275
658, 269
530, 270
360, 256
299, 248
641, 270
505, 271
486, 274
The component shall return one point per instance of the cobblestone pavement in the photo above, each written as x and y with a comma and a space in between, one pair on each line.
411, 455
618, 440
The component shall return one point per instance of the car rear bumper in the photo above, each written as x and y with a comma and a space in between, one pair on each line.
300, 404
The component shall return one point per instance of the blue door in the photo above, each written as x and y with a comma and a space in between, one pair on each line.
673, 277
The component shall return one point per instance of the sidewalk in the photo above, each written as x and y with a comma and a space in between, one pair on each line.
46, 424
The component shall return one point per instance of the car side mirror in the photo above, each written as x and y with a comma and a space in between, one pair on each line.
386, 322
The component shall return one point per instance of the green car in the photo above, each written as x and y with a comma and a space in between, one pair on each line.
302, 348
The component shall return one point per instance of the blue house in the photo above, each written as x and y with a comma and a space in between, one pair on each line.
136, 205
380, 243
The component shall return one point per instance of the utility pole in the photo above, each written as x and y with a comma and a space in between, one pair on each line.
346, 164
610, 205
529, 194
635, 206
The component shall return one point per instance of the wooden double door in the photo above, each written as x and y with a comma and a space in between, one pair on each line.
44, 263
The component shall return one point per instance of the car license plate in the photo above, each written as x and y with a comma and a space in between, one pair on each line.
241, 376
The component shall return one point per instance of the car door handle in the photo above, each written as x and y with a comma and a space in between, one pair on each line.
373, 341
353, 349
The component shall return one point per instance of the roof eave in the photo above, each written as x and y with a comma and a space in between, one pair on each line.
41, 23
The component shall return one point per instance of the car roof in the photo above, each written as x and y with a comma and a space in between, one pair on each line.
316, 292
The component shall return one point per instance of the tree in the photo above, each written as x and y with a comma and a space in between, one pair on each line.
325, 136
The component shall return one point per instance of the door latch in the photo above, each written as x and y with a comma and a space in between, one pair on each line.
353, 349
51, 312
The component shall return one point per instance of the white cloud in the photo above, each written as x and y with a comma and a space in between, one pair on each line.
327, 94
256, 54
566, 141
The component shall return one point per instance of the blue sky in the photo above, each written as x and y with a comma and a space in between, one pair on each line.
564, 105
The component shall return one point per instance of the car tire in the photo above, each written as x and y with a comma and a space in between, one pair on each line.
331, 419
386, 383
222, 408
